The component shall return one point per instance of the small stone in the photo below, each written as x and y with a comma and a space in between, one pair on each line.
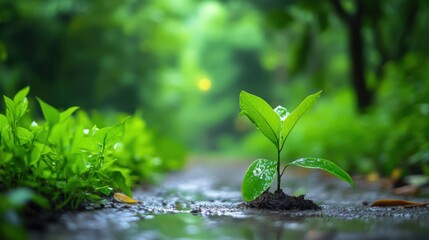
196, 211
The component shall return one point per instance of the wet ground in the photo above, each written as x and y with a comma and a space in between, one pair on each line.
204, 202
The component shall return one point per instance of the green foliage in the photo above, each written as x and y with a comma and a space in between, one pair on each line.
208, 45
392, 135
290, 120
406, 110
52, 115
258, 178
262, 115
332, 130
260, 175
275, 125
53, 154
323, 164
67, 160
144, 153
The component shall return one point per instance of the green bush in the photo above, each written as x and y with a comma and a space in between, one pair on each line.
69, 160
60, 159
147, 154
404, 98
341, 134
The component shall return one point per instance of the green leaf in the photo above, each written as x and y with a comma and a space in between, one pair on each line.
7, 137
36, 153
323, 164
46, 149
17, 107
10, 109
92, 197
106, 190
51, 114
107, 164
262, 115
5, 157
292, 119
120, 182
21, 108
258, 178
24, 135
21, 94
67, 113
3, 122
80, 165
87, 144
108, 136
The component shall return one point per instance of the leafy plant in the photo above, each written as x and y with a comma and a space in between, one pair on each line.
68, 160
276, 125
145, 153
59, 159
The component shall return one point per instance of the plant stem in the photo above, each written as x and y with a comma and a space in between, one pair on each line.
283, 170
278, 170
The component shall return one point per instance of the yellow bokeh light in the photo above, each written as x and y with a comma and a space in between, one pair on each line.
204, 84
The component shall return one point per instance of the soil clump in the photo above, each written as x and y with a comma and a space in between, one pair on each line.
281, 201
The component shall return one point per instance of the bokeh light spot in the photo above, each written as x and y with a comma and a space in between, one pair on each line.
204, 84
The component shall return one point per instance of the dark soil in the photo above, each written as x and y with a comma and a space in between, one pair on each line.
281, 201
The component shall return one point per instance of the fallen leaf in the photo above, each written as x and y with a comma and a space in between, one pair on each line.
397, 203
122, 198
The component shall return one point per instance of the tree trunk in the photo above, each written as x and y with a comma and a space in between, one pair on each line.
364, 96
353, 22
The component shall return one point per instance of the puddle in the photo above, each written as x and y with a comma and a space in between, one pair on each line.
204, 202
182, 226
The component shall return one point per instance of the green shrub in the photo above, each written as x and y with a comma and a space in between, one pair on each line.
60, 159
69, 160
338, 132
404, 97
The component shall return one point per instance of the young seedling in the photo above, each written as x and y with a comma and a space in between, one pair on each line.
276, 125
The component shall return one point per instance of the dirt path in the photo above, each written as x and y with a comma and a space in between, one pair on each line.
204, 202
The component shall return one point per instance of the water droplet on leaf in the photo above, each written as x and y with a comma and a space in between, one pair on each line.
34, 124
282, 112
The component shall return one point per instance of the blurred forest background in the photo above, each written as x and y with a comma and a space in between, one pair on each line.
182, 64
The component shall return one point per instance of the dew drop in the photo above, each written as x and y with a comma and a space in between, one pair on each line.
282, 112
34, 124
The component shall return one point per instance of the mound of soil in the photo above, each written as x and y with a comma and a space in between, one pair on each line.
281, 201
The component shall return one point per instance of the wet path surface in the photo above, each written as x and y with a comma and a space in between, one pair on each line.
204, 202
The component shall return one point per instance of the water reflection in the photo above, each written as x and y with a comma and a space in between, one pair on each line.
188, 226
